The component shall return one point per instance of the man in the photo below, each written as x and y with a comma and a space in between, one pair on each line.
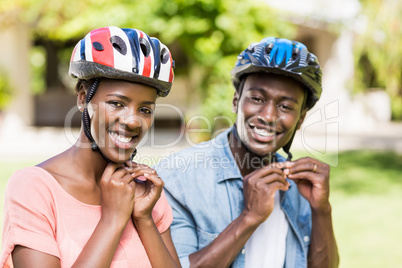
238, 203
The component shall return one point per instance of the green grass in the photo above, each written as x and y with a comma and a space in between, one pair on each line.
366, 190
366, 196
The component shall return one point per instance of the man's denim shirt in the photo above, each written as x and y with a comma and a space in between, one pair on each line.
204, 186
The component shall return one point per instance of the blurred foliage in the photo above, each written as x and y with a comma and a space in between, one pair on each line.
37, 60
5, 89
378, 50
211, 35
368, 172
205, 36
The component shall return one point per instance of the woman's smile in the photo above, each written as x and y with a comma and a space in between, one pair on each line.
123, 141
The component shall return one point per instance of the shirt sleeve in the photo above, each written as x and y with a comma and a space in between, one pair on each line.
29, 218
183, 229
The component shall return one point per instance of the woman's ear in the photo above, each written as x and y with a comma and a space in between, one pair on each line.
81, 96
235, 102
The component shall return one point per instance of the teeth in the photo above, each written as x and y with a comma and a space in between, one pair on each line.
263, 132
121, 138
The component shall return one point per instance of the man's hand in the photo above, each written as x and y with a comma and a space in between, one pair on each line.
259, 189
312, 179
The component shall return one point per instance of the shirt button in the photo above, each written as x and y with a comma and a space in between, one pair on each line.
243, 251
306, 239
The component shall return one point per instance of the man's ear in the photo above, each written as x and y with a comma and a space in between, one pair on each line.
235, 102
302, 117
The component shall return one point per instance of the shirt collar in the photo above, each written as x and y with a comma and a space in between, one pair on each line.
232, 171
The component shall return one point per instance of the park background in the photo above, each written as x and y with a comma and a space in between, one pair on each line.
356, 126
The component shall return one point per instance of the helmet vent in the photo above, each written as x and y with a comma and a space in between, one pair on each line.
308, 57
145, 46
118, 44
295, 53
251, 48
268, 48
164, 56
312, 61
97, 46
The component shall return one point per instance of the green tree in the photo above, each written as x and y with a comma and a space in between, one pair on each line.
205, 36
378, 50
212, 33
5, 89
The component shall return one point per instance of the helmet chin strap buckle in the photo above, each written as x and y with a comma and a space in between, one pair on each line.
133, 154
94, 146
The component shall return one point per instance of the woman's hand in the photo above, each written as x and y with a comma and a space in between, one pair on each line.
148, 189
118, 193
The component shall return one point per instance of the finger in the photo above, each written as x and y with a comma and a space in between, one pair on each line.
110, 170
262, 172
130, 181
279, 165
309, 176
304, 166
120, 173
120, 177
130, 165
134, 165
266, 175
304, 160
282, 187
268, 180
154, 178
127, 178
124, 183
139, 171
277, 185
300, 175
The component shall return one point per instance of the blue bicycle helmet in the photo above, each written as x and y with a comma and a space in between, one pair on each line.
284, 57
281, 56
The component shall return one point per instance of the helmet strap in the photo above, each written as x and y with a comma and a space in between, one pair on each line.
86, 120
286, 148
133, 155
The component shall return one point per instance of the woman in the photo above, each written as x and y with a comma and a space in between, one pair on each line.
90, 206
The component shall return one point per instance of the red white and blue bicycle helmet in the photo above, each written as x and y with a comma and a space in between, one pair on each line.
284, 57
124, 54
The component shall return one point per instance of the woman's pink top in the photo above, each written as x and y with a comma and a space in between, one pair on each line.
41, 215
